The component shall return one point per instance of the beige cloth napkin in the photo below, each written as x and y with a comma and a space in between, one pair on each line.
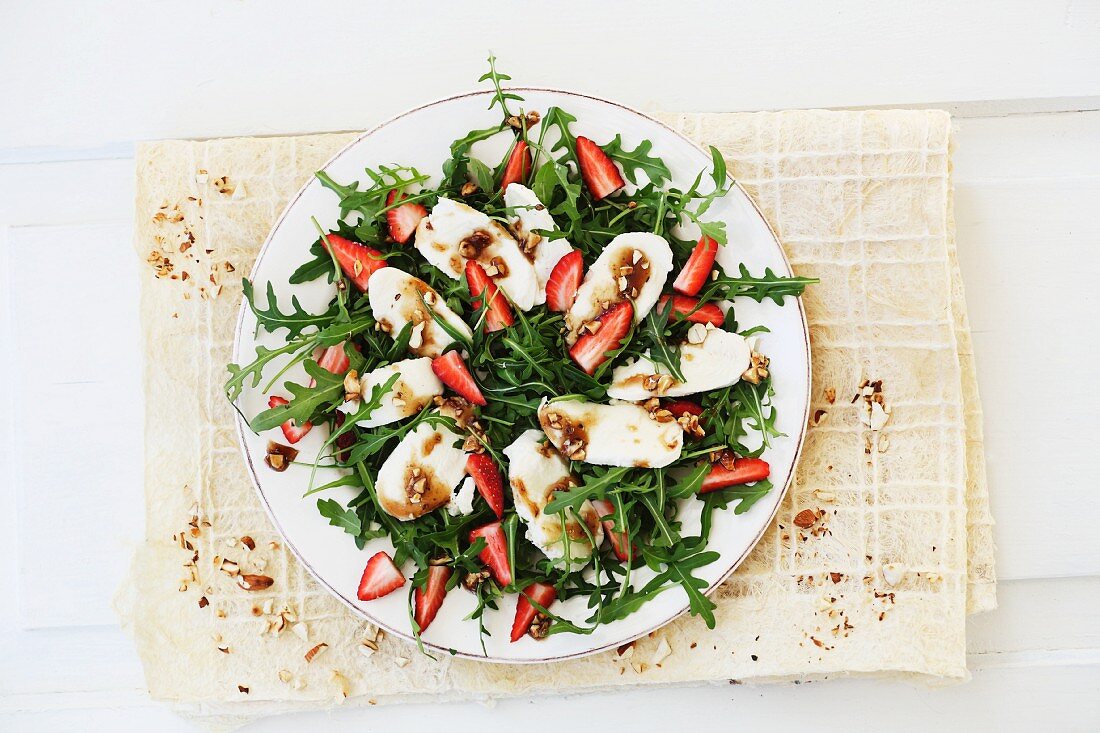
881, 584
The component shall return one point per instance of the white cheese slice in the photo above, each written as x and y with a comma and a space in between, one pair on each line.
397, 298
717, 362
535, 471
415, 387
462, 500
531, 216
622, 434
455, 232
426, 455
632, 267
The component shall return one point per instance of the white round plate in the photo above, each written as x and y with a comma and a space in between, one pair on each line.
421, 138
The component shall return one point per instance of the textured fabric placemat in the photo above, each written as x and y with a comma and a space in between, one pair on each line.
880, 585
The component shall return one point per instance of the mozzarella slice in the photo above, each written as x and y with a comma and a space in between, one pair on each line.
421, 473
415, 387
397, 298
535, 472
462, 500
531, 215
717, 362
610, 435
455, 232
632, 267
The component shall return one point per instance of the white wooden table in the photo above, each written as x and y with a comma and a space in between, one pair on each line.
80, 82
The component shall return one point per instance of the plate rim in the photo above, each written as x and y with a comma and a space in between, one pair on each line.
241, 423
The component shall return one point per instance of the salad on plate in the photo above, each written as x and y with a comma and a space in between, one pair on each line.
532, 372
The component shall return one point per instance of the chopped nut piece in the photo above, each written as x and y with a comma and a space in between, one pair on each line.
836, 577
402, 661
824, 495
279, 457
663, 416
352, 387
697, 334
342, 684
285, 675
892, 574
540, 627
805, 518
248, 542
312, 653
416, 338
830, 395
255, 582
468, 189
662, 653
301, 630
820, 416
473, 580
591, 326
243, 689
758, 370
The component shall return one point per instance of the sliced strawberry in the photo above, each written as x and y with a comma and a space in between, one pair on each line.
403, 219
682, 305
495, 554
565, 279
619, 539
334, 359
591, 349
291, 430
743, 471
452, 371
358, 261
380, 577
698, 267
486, 476
598, 171
542, 594
518, 166
500, 312
429, 597
679, 408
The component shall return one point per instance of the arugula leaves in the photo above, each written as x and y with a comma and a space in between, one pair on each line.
638, 159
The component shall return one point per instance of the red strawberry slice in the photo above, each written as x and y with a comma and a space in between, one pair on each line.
518, 166
679, 408
380, 577
452, 371
542, 594
698, 267
682, 305
334, 359
598, 171
565, 279
291, 430
495, 554
591, 349
619, 539
743, 471
429, 597
486, 476
402, 220
499, 314
358, 261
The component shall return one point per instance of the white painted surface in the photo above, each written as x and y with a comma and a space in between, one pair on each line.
81, 82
